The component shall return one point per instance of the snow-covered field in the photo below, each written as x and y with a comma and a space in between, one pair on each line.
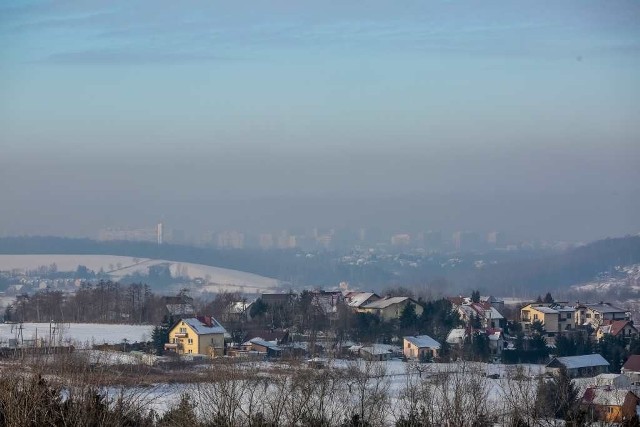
216, 279
78, 334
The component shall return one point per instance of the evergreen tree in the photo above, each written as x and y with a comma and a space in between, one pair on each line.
548, 298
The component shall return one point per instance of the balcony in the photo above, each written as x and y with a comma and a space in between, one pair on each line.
180, 335
171, 346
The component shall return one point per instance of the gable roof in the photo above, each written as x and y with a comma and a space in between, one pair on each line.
201, 327
386, 302
267, 344
377, 349
616, 326
423, 341
456, 336
632, 364
356, 300
605, 396
576, 362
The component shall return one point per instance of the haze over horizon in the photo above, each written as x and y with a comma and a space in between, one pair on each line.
513, 116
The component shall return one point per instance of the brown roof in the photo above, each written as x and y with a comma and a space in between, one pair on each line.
618, 325
632, 363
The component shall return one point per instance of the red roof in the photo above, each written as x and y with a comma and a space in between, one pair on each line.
632, 363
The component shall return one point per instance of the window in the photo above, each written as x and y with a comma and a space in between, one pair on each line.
190, 340
588, 315
190, 351
535, 316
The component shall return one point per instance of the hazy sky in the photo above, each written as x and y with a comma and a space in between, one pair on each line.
515, 115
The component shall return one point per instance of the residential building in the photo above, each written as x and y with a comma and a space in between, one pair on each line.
610, 405
379, 352
421, 347
596, 314
358, 299
197, 335
631, 369
617, 328
268, 348
541, 312
588, 365
457, 336
489, 317
390, 307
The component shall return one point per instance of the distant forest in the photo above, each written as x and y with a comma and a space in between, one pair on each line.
520, 275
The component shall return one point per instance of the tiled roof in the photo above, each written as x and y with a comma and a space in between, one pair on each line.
632, 364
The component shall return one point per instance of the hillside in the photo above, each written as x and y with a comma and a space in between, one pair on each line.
582, 264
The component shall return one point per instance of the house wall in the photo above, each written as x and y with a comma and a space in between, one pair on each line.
395, 310
211, 344
530, 314
192, 343
412, 351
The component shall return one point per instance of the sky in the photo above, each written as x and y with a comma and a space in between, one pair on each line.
520, 116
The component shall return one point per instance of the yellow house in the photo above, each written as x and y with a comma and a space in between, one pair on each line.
197, 335
540, 312
391, 307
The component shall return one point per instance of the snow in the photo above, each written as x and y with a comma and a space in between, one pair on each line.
216, 279
79, 334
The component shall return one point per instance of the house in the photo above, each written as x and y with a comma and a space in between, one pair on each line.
272, 299
197, 335
421, 347
596, 314
609, 404
178, 306
588, 365
357, 299
457, 336
555, 317
496, 342
617, 328
631, 369
487, 314
279, 336
612, 380
239, 311
379, 352
259, 345
390, 307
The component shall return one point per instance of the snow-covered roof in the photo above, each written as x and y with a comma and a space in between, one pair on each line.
616, 380
605, 396
543, 309
423, 341
456, 336
605, 308
386, 302
268, 344
202, 328
576, 362
239, 307
377, 349
360, 298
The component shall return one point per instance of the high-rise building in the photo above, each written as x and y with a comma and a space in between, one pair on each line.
159, 233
